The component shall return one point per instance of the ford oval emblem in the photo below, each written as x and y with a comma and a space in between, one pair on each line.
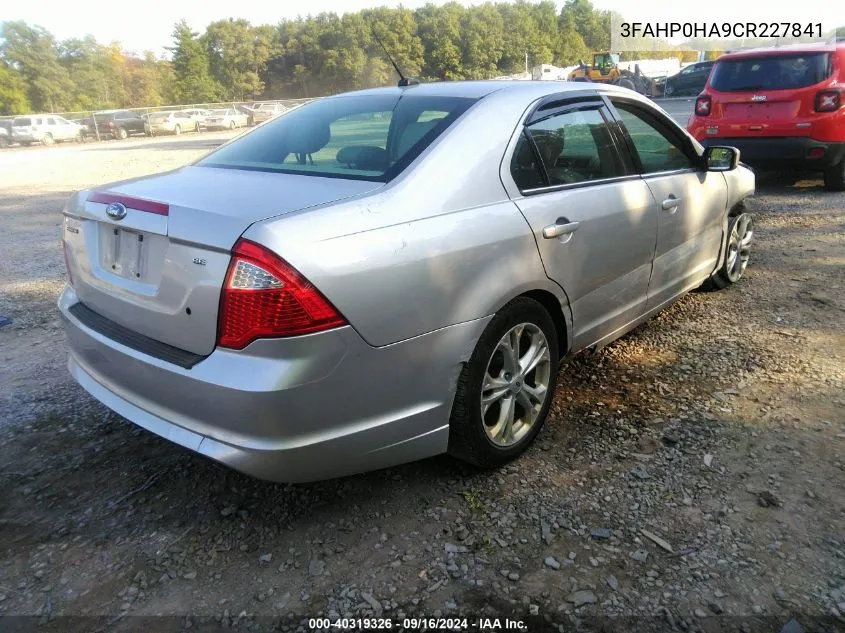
116, 211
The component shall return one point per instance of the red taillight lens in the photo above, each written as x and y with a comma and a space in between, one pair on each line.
828, 100
702, 105
263, 296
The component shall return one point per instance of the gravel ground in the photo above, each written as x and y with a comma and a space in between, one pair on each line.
690, 475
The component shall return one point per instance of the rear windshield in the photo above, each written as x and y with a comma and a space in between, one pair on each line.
159, 116
782, 72
367, 137
22, 122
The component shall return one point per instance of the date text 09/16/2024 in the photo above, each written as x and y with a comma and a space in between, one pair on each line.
415, 624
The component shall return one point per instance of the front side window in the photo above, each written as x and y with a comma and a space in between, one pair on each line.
366, 137
654, 143
576, 146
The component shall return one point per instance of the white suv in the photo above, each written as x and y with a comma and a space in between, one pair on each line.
45, 129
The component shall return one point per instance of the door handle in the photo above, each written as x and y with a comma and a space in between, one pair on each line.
671, 203
556, 230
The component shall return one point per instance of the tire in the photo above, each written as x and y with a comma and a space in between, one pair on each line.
669, 90
231, 125
740, 238
121, 133
177, 130
626, 83
48, 139
197, 128
834, 177
479, 436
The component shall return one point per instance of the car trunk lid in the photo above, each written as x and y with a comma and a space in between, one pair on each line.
159, 268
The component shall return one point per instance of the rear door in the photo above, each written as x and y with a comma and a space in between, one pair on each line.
594, 218
691, 200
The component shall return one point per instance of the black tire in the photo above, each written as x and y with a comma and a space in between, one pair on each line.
626, 83
468, 439
834, 177
231, 125
668, 90
122, 133
177, 130
731, 270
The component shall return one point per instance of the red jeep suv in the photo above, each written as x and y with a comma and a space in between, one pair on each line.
782, 107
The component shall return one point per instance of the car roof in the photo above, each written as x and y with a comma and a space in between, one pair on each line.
791, 49
479, 89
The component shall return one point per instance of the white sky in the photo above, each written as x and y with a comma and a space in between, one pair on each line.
147, 24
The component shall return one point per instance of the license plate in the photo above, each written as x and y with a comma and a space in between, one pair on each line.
124, 253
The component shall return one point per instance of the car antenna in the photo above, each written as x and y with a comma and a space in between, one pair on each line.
403, 80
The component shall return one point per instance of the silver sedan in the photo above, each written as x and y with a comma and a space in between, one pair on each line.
392, 274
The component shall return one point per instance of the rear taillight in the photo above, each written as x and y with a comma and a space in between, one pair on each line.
828, 100
263, 296
702, 105
67, 262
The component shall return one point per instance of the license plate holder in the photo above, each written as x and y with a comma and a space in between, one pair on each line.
124, 252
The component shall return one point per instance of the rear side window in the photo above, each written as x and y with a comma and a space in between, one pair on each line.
525, 168
657, 147
781, 72
576, 146
366, 137
22, 122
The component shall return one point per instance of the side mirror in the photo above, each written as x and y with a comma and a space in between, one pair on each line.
721, 158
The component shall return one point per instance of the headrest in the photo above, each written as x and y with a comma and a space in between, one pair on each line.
307, 138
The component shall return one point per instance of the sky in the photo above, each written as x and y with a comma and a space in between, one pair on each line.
148, 24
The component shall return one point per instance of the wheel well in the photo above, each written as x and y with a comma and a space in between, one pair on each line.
737, 209
552, 306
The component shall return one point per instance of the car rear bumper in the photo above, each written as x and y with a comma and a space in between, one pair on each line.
298, 409
797, 152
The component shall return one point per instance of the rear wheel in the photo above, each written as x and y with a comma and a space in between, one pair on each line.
48, 139
834, 177
740, 237
177, 130
505, 389
231, 125
122, 133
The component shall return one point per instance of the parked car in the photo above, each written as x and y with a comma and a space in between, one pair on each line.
5, 137
267, 111
226, 118
45, 129
325, 295
689, 81
118, 124
169, 123
782, 107
198, 116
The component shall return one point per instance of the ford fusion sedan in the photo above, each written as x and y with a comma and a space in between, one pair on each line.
387, 275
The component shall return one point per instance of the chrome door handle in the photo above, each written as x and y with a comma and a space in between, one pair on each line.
556, 230
671, 203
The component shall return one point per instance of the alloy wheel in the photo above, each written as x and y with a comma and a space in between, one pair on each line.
739, 247
515, 384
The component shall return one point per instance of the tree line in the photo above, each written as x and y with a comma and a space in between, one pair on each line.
234, 60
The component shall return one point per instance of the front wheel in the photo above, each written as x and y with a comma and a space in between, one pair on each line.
505, 389
737, 255
669, 90
177, 130
834, 177
231, 125
48, 139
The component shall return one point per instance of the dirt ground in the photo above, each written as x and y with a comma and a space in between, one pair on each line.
691, 475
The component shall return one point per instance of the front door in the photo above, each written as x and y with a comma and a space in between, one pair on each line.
595, 221
691, 201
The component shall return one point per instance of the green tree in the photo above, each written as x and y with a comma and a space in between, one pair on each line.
192, 79
33, 52
13, 98
238, 54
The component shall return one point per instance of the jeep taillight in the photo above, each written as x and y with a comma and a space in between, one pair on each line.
702, 105
828, 100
